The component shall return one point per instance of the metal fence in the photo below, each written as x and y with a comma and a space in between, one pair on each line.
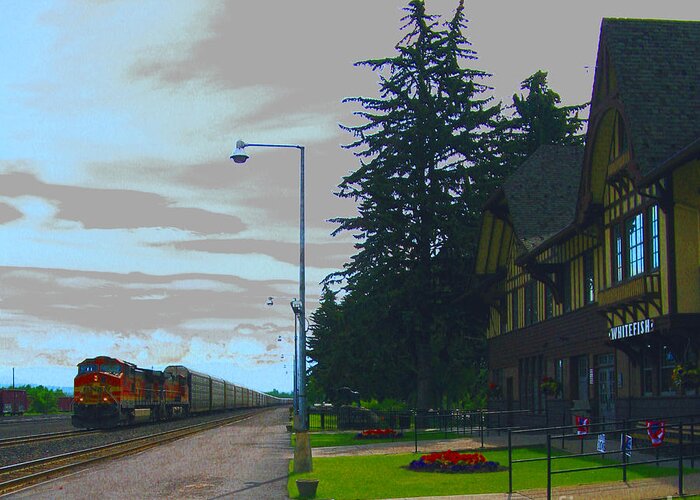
421, 424
679, 444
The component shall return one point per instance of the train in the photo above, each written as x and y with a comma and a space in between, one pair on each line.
109, 392
13, 401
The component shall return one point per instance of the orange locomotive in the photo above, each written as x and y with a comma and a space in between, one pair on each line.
110, 392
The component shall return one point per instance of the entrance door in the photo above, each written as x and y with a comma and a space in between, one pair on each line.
606, 387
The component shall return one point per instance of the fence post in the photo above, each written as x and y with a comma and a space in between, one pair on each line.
481, 427
549, 466
510, 463
323, 421
680, 458
563, 430
623, 443
415, 429
692, 443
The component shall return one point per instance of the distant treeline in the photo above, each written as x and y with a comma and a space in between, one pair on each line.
278, 394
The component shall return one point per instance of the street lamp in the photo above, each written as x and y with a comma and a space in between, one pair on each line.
302, 452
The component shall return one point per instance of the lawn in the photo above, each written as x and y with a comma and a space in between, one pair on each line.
384, 476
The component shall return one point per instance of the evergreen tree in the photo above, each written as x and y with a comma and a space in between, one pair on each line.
537, 119
419, 190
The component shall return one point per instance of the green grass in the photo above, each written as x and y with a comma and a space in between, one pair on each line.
383, 476
322, 439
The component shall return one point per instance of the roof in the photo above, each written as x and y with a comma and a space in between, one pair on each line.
657, 65
542, 193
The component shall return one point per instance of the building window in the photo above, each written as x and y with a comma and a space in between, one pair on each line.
566, 284
635, 249
668, 363
530, 303
618, 144
654, 236
530, 372
647, 372
588, 278
503, 315
514, 303
618, 262
548, 303
634, 229
559, 375
580, 388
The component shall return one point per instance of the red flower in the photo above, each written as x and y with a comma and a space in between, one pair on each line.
450, 457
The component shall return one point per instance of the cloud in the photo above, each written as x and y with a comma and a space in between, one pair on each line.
324, 255
8, 213
135, 304
96, 208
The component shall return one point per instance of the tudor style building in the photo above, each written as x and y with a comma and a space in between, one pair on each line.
590, 256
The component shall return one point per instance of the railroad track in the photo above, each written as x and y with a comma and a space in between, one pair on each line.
14, 441
22, 475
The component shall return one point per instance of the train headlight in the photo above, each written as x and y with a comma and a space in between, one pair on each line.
81, 399
95, 378
104, 399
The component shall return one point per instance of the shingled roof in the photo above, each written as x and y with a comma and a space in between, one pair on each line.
657, 64
542, 193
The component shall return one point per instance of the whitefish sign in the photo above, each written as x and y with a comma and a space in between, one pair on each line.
633, 329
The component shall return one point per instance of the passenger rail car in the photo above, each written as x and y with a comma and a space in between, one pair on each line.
109, 392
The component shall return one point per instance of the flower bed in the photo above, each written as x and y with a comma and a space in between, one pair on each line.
452, 461
378, 434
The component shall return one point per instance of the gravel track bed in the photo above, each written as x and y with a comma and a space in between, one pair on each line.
32, 451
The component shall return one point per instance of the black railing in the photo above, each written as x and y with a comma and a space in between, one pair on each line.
679, 444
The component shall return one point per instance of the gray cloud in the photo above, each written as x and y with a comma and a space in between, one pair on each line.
136, 304
8, 213
324, 255
118, 208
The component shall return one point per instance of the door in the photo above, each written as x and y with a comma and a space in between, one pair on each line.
606, 388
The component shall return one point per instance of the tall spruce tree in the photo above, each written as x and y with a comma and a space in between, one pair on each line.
419, 194
537, 119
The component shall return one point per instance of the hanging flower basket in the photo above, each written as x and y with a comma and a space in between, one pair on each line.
685, 377
550, 386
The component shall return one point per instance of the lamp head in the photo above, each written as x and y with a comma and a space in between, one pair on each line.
239, 155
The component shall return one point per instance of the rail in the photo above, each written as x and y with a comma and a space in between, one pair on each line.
17, 476
15, 441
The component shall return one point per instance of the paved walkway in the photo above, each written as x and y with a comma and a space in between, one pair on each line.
245, 461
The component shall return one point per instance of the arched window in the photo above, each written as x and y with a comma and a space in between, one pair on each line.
618, 142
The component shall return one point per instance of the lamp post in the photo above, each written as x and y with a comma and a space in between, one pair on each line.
296, 307
302, 452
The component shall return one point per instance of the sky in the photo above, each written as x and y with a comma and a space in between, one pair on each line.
125, 230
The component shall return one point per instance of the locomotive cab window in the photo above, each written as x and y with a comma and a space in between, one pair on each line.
90, 368
113, 369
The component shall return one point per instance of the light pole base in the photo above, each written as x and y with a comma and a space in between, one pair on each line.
302, 453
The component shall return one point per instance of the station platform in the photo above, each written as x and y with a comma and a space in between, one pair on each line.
244, 461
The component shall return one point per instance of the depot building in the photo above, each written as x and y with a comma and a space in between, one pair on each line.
589, 256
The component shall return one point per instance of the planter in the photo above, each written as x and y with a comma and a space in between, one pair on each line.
307, 487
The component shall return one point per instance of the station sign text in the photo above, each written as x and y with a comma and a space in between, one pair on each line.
631, 329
